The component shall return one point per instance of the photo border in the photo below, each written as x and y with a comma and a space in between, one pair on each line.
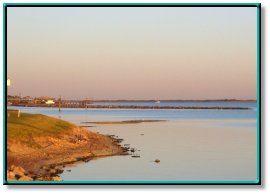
257, 181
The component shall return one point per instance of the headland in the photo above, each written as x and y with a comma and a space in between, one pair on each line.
39, 147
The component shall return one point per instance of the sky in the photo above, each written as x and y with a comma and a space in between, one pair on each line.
132, 52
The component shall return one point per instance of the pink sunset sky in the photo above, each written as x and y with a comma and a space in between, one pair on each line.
132, 52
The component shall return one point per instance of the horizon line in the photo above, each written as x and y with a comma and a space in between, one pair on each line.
145, 100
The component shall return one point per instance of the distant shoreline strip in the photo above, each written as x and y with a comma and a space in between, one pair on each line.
217, 100
145, 107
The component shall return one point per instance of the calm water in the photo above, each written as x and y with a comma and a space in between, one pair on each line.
191, 144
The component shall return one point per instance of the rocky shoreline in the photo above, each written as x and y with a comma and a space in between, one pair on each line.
40, 147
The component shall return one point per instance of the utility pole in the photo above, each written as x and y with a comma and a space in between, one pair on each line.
86, 103
20, 97
59, 104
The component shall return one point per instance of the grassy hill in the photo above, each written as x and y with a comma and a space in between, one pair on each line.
24, 128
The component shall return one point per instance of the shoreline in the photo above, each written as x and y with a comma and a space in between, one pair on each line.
44, 157
50, 171
121, 122
138, 107
214, 100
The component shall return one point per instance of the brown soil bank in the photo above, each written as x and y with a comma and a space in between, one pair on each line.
38, 147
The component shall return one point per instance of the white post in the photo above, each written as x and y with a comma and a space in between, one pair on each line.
8, 85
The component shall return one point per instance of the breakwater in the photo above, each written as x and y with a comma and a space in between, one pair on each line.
167, 107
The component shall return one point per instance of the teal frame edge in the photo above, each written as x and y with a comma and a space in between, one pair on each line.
258, 49
257, 181
4, 95
139, 4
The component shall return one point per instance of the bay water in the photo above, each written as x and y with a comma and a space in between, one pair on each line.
190, 144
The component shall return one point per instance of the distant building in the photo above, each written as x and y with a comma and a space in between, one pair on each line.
50, 102
26, 98
45, 98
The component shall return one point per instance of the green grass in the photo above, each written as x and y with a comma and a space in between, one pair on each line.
24, 128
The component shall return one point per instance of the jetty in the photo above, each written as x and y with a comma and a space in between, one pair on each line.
90, 104
167, 107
